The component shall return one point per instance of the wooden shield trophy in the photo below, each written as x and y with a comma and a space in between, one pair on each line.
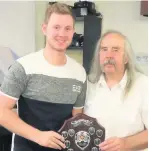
82, 133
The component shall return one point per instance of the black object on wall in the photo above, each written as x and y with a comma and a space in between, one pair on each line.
92, 33
144, 8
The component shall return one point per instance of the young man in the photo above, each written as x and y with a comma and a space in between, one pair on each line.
117, 95
49, 86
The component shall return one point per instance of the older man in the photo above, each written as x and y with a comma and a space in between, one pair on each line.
117, 95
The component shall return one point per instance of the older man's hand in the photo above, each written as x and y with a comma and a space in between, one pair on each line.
113, 144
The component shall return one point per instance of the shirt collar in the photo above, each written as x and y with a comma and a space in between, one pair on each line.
122, 83
102, 81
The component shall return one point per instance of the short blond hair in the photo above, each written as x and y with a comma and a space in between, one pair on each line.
59, 8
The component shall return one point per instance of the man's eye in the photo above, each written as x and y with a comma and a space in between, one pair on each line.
115, 50
104, 49
68, 29
56, 27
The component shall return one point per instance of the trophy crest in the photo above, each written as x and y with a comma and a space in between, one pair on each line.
82, 133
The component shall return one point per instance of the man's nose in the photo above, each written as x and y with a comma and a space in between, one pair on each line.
62, 32
109, 54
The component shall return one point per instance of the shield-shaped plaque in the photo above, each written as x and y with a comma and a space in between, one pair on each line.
82, 133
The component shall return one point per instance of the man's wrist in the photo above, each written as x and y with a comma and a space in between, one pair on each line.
126, 144
35, 135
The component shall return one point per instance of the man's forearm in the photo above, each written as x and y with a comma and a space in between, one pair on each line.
76, 111
10, 120
137, 142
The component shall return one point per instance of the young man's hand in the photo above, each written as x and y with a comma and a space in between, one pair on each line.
51, 139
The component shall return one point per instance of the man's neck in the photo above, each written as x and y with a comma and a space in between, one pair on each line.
54, 57
113, 79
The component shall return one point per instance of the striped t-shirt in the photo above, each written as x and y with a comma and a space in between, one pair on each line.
46, 93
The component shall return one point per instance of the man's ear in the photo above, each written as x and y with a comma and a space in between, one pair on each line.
73, 31
44, 28
125, 59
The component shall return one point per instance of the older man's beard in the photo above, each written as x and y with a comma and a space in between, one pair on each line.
110, 61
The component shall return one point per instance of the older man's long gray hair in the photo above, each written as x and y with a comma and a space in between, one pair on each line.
96, 71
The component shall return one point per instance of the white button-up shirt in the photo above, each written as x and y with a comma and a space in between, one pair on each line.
120, 117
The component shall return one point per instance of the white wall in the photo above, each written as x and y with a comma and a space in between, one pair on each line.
17, 29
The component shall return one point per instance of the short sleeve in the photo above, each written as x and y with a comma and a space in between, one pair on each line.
90, 93
144, 112
144, 107
81, 97
15, 81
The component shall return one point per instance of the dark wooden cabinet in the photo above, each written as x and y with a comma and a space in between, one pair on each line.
92, 33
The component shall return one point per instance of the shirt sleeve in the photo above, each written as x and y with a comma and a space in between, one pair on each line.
145, 112
14, 82
81, 97
90, 93
144, 108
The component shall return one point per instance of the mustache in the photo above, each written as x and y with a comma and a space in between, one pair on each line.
109, 62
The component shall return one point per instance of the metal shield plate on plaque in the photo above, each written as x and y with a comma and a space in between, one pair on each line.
82, 133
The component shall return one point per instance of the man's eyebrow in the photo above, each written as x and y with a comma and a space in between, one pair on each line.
116, 47
56, 25
103, 47
69, 26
